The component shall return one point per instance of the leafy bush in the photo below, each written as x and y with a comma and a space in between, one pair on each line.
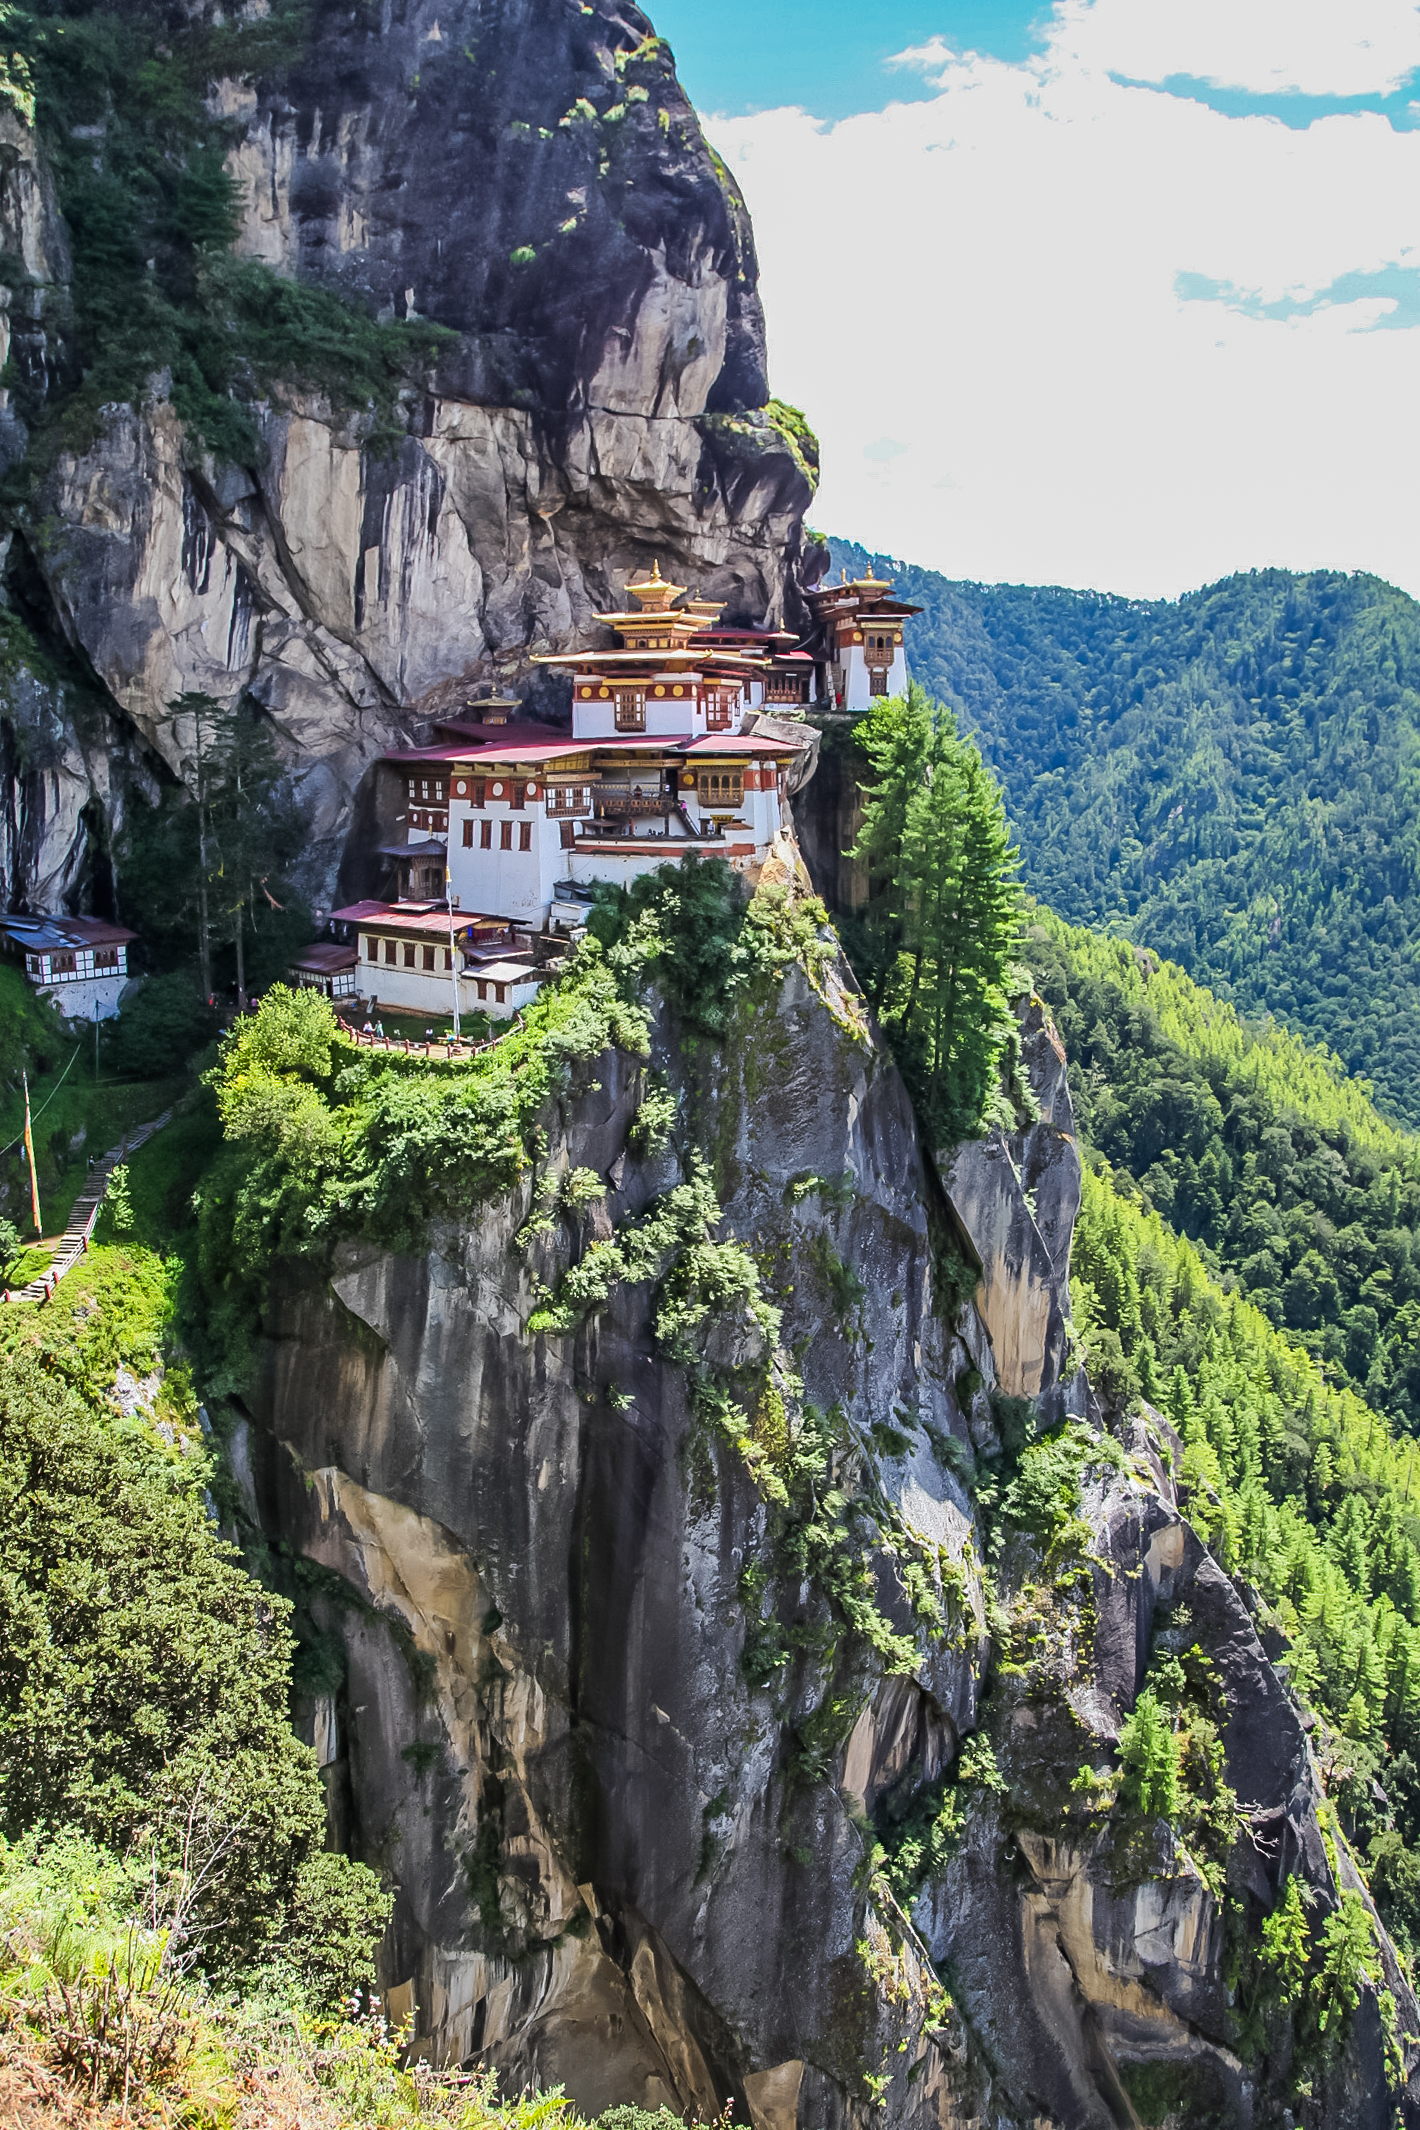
693, 927
144, 1680
159, 1028
1148, 1754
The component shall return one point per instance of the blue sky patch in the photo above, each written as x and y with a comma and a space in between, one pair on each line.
738, 56
1401, 107
1401, 283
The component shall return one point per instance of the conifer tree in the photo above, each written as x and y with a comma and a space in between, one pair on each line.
943, 914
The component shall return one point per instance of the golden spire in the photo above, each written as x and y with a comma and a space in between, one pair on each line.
653, 593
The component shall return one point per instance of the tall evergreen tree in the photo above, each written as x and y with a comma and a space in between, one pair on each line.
943, 913
209, 868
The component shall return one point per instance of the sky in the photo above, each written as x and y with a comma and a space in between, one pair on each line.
1110, 293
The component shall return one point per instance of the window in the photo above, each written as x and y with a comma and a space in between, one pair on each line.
413, 789
424, 789
391, 952
505, 835
372, 949
480, 791
61, 964
482, 988
721, 787
448, 959
569, 836
105, 958
500, 992
428, 957
439, 788
468, 835
525, 835
630, 710
409, 955
485, 840
877, 681
515, 792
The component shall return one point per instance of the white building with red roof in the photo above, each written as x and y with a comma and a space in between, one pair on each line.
687, 736
79, 962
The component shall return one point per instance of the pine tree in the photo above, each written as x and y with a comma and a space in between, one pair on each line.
943, 913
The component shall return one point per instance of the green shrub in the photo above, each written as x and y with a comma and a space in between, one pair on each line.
160, 1027
1149, 1755
144, 1679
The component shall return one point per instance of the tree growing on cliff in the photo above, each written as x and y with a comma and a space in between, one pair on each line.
944, 911
210, 864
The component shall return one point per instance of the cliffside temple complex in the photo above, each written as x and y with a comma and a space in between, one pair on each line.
858, 643
687, 736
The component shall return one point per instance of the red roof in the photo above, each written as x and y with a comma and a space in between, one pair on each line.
324, 955
736, 743
420, 917
629, 743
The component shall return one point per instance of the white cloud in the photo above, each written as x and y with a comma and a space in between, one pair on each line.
990, 278
1321, 47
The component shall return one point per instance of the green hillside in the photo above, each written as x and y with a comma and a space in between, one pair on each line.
1234, 778
1255, 1146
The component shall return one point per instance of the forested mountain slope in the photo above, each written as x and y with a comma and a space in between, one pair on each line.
1232, 777
1253, 1144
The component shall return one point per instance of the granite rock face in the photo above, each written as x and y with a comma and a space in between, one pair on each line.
532, 178
633, 1855
1017, 1194
621, 1862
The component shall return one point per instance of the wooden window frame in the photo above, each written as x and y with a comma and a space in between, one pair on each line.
485, 840
505, 835
525, 835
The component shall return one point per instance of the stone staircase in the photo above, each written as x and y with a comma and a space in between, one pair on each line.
74, 1243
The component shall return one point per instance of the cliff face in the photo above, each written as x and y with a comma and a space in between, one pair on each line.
532, 179
626, 1752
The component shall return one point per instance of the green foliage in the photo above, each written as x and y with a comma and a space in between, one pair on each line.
334, 1918
1286, 1942
1254, 1144
654, 1121
1165, 2094
98, 1994
151, 213
793, 426
1043, 1496
1232, 777
1294, 1483
206, 872
1349, 1959
912, 1846
165, 1023
941, 924
32, 1036
118, 1206
1149, 1754
692, 927
144, 1681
